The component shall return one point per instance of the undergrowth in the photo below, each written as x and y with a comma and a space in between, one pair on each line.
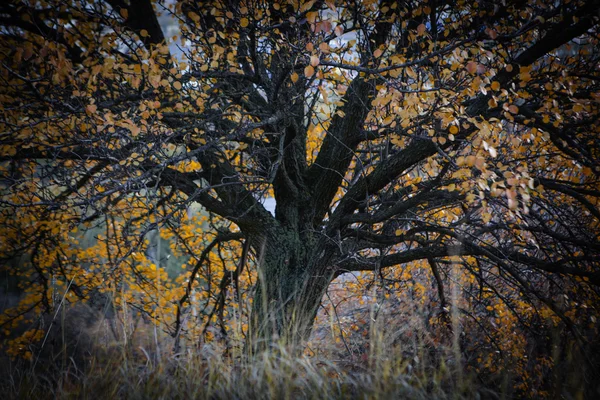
207, 374
103, 362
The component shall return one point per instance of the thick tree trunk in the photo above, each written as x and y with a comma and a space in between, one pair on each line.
292, 282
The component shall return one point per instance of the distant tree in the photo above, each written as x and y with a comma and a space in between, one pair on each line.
439, 134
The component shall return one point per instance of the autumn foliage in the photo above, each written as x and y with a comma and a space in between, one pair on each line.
434, 165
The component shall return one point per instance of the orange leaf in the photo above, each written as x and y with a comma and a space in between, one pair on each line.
309, 71
314, 61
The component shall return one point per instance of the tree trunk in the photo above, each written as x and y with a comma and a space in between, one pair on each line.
292, 282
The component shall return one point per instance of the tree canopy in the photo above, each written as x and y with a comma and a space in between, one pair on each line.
455, 140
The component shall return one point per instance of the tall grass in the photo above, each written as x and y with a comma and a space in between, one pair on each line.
205, 374
88, 356
121, 361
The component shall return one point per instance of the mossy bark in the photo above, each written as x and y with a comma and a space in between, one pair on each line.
292, 282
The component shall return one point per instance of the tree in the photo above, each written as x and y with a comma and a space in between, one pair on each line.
446, 134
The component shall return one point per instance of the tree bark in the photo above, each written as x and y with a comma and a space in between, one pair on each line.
292, 281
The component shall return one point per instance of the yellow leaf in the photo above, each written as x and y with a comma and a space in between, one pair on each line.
91, 108
311, 17
306, 6
486, 217
124, 13
144, 33
525, 77
479, 162
177, 85
244, 22
294, 77
454, 129
135, 130
495, 85
377, 53
421, 29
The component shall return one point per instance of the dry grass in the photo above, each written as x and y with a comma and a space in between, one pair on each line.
206, 375
108, 362
88, 356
